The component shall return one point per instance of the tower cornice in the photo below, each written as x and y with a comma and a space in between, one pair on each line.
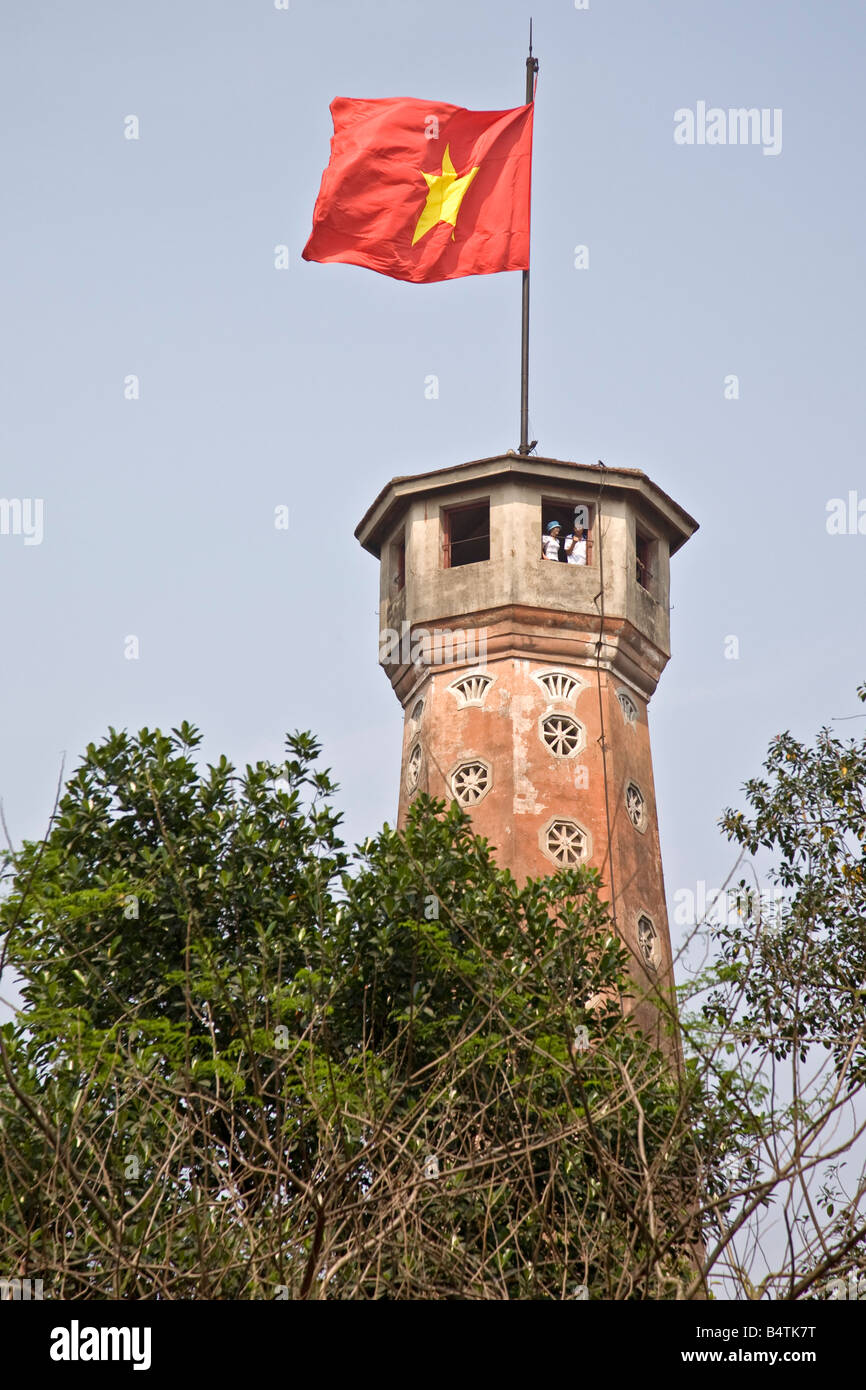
385, 512
523, 633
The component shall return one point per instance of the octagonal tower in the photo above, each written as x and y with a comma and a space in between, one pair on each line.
525, 681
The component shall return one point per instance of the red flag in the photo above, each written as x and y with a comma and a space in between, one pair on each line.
424, 191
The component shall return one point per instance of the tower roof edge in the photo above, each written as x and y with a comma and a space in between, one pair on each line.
384, 513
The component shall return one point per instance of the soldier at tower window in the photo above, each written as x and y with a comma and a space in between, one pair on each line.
575, 547
550, 541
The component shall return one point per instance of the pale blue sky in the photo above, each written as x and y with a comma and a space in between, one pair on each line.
306, 386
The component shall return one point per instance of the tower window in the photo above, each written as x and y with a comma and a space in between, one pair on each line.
413, 770
471, 689
648, 941
644, 547
562, 734
636, 806
398, 564
558, 685
575, 519
470, 782
628, 707
466, 534
565, 843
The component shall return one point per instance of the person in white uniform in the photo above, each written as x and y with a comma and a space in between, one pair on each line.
550, 542
575, 548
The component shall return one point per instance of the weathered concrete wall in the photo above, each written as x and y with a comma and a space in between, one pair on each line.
516, 572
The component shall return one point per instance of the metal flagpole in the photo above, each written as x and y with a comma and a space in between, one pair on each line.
525, 446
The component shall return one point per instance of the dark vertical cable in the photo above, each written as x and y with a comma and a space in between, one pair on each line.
601, 702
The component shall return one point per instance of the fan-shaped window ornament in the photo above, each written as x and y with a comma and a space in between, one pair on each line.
471, 689
470, 782
648, 941
628, 707
413, 769
559, 685
635, 804
565, 843
562, 734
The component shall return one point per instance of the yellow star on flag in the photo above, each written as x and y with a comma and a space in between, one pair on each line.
445, 193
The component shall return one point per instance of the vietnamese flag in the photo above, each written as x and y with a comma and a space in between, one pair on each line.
424, 191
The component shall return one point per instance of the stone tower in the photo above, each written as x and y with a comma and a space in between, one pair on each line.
525, 682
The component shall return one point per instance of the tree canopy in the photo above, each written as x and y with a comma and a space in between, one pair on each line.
253, 1063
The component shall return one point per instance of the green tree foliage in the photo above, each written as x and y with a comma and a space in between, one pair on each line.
253, 1064
250, 1064
778, 1027
800, 963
